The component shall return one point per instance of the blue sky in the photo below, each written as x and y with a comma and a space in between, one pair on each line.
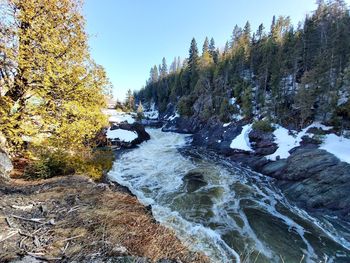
127, 37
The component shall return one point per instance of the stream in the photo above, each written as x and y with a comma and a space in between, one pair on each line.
221, 209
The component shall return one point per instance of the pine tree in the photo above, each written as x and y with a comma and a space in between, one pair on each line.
212, 51
205, 48
139, 111
212, 48
164, 69
193, 61
173, 66
154, 75
130, 100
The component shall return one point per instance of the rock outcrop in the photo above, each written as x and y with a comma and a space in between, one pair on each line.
315, 179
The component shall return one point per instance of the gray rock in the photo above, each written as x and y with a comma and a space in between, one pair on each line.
5, 165
274, 168
262, 142
194, 180
316, 180
304, 163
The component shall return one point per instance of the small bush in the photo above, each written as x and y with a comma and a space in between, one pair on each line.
263, 125
100, 163
50, 164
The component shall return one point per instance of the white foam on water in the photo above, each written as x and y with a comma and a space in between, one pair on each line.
154, 173
160, 170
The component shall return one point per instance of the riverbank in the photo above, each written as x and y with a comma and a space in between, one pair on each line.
309, 176
72, 218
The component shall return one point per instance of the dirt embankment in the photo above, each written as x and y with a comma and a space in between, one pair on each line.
71, 218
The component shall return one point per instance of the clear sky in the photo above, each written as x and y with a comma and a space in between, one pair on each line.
127, 37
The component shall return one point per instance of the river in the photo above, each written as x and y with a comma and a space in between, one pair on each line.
222, 209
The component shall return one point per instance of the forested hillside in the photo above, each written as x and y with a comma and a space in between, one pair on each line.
289, 74
51, 91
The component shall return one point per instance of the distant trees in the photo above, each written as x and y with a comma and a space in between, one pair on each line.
290, 75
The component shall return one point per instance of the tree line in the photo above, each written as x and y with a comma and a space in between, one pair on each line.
290, 75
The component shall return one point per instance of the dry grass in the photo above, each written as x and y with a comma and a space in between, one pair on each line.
80, 220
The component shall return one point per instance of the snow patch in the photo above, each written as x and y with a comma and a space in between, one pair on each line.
237, 117
337, 145
287, 140
232, 101
152, 115
241, 142
122, 135
118, 117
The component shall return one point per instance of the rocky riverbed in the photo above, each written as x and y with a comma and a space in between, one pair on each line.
312, 178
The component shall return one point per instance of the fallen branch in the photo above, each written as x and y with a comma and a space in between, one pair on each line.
35, 220
71, 238
9, 235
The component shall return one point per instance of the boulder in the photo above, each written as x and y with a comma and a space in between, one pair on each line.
5, 165
274, 168
194, 180
314, 179
305, 163
262, 142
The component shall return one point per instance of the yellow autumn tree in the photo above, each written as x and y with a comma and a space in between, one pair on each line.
51, 91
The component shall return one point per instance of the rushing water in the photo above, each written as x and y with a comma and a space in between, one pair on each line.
223, 210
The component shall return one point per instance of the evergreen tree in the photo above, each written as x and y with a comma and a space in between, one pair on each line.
49, 80
214, 53
130, 100
139, 111
289, 74
164, 69
154, 75
205, 48
193, 61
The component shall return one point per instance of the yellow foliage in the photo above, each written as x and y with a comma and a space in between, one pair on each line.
51, 91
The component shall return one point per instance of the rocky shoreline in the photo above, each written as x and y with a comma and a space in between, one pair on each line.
312, 178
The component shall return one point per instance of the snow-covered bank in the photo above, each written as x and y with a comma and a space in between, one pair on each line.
339, 146
286, 140
122, 135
